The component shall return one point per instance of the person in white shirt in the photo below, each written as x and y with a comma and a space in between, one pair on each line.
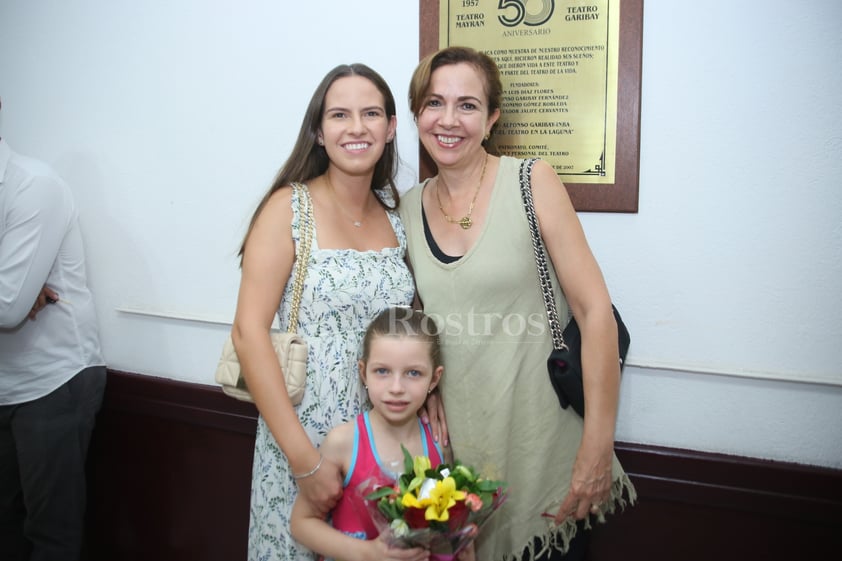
52, 374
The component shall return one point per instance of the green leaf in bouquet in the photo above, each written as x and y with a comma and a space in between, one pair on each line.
420, 467
488, 486
408, 462
391, 510
465, 472
384, 491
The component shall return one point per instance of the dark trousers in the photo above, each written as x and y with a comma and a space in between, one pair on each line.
43, 446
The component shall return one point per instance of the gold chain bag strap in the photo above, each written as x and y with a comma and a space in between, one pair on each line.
290, 348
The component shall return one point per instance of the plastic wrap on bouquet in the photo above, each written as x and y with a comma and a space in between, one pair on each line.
441, 509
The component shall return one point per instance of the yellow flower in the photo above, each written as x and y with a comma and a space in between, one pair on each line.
442, 497
420, 465
409, 500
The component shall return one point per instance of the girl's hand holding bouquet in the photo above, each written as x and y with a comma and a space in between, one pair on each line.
440, 509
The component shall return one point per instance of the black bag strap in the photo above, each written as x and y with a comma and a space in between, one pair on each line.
540, 257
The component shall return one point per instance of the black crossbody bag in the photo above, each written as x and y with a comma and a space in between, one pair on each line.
565, 361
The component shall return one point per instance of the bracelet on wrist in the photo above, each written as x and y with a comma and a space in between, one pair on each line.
311, 472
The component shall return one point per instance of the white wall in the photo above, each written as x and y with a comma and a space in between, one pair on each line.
169, 120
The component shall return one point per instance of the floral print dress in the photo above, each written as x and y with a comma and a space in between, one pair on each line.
343, 290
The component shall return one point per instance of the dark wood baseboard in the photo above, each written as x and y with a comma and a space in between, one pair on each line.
170, 475
700, 506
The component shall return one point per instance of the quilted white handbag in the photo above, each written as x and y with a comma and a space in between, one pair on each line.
290, 348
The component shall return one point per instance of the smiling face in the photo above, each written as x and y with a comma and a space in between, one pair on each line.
399, 373
355, 127
455, 116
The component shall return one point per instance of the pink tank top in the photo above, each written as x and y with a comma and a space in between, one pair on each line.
351, 515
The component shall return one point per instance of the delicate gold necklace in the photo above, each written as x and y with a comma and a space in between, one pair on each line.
357, 223
465, 221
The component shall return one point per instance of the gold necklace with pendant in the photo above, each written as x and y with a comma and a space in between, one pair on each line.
465, 222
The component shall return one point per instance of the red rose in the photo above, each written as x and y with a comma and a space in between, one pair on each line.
414, 518
458, 516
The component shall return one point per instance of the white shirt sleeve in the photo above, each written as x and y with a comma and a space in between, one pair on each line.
36, 222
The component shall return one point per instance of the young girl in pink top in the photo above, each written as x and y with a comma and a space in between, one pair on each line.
401, 365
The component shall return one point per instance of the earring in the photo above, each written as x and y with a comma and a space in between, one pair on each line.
320, 141
429, 391
487, 136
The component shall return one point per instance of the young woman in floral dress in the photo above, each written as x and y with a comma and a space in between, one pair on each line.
345, 156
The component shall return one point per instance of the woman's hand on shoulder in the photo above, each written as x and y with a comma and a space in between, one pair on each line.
432, 413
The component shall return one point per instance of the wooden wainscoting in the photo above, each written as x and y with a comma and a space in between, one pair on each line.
170, 472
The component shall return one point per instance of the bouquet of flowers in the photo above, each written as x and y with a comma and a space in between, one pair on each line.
440, 509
